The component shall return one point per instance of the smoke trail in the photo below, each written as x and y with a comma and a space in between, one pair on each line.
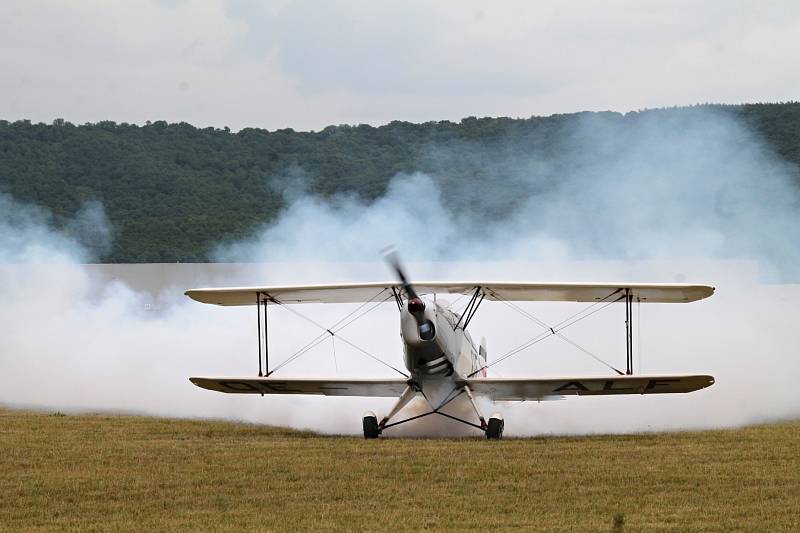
686, 196
684, 184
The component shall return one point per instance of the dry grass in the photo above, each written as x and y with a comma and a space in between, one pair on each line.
123, 472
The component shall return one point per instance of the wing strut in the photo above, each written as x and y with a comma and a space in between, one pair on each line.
397, 299
628, 332
258, 314
265, 339
471, 308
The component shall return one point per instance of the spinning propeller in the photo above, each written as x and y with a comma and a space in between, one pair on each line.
415, 304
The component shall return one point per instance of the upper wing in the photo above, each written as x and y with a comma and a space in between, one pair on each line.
362, 292
501, 389
327, 387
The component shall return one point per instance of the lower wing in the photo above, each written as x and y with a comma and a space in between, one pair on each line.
326, 387
502, 389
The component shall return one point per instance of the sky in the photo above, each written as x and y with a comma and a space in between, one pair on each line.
306, 65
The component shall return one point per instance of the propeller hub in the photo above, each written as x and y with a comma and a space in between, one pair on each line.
416, 306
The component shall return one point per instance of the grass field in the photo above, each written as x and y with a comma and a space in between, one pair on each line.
122, 472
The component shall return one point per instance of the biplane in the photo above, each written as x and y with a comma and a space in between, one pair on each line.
441, 360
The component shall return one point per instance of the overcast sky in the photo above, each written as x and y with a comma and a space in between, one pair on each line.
305, 65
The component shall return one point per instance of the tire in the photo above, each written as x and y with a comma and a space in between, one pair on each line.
494, 430
371, 429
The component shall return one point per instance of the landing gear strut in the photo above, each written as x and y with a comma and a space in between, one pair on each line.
373, 429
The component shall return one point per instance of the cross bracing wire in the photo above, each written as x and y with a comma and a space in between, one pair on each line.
334, 330
338, 326
554, 330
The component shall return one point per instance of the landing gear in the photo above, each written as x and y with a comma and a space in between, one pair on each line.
371, 428
494, 430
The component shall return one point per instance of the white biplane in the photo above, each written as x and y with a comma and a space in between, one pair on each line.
441, 360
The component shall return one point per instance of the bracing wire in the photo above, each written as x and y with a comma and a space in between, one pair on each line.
566, 323
327, 331
337, 327
554, 330
333, 348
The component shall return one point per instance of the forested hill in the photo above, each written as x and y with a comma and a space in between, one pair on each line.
172, 190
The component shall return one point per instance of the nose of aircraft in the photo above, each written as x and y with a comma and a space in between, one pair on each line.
416, 306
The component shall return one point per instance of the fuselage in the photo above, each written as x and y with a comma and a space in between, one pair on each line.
434, 348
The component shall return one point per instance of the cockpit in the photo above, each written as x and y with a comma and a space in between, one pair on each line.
427, 331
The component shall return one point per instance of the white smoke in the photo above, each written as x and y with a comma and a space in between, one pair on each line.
682, 196
684, 184
26, 238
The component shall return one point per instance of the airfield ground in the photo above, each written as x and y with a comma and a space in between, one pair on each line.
124, 472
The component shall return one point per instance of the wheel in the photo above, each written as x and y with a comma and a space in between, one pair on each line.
371, 429
494, 430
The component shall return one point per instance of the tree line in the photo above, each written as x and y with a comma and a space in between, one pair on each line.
172, 191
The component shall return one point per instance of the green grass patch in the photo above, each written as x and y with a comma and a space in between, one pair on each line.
101, 472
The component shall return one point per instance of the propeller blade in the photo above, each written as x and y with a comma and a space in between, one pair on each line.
393, 259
